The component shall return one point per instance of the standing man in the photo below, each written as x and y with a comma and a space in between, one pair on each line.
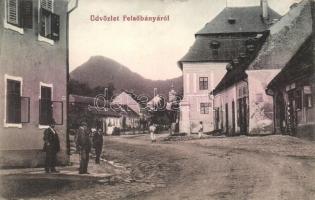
84, 147
98, 144
51, 147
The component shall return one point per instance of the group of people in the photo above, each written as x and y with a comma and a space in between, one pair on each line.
84, 141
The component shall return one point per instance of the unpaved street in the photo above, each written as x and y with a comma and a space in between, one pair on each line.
271, 167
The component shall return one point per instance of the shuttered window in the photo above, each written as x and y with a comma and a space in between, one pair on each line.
49, 22
20, 13
13, 10
27, 13
47, 5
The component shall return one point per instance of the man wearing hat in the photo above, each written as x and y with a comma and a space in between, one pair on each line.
84, 147
51, 147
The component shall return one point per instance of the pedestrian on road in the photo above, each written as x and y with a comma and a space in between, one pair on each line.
84, 147
98, 144
200, 132
51, 147
152, 129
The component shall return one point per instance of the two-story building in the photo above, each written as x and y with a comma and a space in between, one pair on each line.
33, 73
216, 45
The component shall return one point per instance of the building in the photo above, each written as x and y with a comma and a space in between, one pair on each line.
240, 102
129, 99
129, 120
34, 72
293, 91
82, 108
224, 38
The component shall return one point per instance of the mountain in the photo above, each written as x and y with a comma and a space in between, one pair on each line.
100, 71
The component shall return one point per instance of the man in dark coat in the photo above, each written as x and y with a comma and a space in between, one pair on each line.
98, 144
51, 147
84, 147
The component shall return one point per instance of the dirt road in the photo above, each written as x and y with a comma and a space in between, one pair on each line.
271, 167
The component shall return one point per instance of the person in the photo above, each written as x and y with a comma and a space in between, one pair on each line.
200, 132
84, 147
98, 144
152, 129
51, 147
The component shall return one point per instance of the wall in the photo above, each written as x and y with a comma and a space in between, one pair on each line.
24, 56
193, 96
227, 96
260, 104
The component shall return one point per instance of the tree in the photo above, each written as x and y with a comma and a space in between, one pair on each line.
75, 87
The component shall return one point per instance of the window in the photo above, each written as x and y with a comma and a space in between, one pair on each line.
203, 83
49, 22
13, 111
298, 99
308, 102
48, 109
45, 105
204, 108
18, 15
17, 107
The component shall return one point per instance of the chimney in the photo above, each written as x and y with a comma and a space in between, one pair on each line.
264, 9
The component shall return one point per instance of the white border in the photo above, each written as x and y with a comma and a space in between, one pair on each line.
15, 78
10, 26
40, 96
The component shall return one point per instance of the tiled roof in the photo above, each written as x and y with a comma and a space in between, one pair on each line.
231, 37
285, 39
237, 69
125, 110
201, 51
106, 113
247, 19
300, 65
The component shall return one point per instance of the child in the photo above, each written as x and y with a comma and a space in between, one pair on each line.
200, 129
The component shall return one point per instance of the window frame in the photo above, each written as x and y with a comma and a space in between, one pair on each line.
14, 78
202, 80
10, 26
40, 37
42, 84
203, 108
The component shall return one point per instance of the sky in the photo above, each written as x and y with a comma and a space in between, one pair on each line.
150, 49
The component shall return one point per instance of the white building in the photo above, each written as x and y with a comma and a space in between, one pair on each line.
216, 45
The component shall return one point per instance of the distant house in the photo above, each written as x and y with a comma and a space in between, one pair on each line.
240, 102
126, 98
129, 119
293, 89
33, 68
230, 34
82, 108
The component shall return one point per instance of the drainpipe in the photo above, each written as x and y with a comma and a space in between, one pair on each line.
68, 74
